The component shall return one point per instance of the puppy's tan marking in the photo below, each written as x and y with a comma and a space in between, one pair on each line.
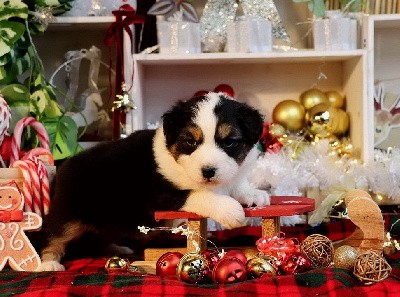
224, 130
56, 247
193, 132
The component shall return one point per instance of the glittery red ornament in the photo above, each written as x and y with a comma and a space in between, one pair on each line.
295, 263
277, 246
224, 88
166, 265
212, 258
201, 93
236, 254
228, 271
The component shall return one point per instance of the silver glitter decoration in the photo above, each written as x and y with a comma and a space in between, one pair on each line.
266, 9
213, 23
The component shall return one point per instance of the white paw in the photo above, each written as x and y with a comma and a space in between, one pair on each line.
250, 197
51, 266
258, 197
229, 214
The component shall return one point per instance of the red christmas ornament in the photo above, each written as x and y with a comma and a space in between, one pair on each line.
228, 271
277, 246
166, 265
269, 142
212, 258
5, 148
224, 88
201, 93
295, 263
236, 254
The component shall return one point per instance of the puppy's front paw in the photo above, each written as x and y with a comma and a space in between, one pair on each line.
51, 266
229, 214
258, 197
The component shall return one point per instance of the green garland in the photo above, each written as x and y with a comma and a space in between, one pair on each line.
22, 81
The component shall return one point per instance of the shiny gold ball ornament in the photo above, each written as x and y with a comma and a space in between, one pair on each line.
345, 256
335, 99
324, 120
290, 114
116, 263
370, 268
260, 267
312, 97
318, 249
192, 268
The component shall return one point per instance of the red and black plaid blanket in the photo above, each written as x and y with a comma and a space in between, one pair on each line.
88, 277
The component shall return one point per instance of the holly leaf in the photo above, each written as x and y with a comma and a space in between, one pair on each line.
161, 7
63, 138
189, 13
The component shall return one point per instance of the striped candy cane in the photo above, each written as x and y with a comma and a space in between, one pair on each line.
17, 135
27, 184
36, 188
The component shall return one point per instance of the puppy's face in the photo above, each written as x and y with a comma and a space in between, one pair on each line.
209, 138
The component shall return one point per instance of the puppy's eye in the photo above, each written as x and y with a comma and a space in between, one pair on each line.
191, 142
230, 142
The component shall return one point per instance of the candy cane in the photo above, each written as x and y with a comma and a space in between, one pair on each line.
36, 178
17, 135
27, 185
40, 170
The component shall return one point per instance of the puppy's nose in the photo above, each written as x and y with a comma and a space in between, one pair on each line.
208, 172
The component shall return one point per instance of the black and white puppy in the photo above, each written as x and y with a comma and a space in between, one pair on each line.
197, 161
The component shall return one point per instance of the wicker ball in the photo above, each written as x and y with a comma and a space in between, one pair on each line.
370, 268
319, 249
345, 256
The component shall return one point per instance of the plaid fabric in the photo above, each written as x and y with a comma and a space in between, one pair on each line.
87, 277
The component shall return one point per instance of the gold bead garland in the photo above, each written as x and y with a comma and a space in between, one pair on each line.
371, 268
319, 249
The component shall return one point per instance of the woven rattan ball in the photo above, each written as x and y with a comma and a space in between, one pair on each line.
370, 268
319, 249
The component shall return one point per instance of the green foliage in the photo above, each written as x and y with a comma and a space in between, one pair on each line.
317, 7
22, 81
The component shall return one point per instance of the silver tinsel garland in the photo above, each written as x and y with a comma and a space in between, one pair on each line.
317, 167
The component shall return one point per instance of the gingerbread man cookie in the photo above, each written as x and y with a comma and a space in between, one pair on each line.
15, 247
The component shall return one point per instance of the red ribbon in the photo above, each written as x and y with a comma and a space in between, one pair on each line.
125, 17
8, 216
122, 23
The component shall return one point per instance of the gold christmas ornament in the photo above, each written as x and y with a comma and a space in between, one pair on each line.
345, 256
370, 268
325, 120
319, 249
260, 267
313, 97
290, 114
277, 130
335, 99
116, 263
192, 268
317, 119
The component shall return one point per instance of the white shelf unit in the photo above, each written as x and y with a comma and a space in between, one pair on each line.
262, 80
381, 39
74, 33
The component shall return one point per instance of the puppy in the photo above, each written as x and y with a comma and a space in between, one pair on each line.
196, 161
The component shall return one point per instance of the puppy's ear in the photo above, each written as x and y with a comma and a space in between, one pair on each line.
252, 122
